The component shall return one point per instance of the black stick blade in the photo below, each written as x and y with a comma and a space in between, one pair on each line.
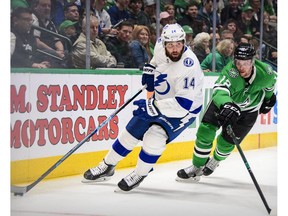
18, 190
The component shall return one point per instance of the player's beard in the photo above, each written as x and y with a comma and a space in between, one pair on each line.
173, 57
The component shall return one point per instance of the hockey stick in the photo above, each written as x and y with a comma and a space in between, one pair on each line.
231, 133
20, 190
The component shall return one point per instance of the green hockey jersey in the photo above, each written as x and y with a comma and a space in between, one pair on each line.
247, 94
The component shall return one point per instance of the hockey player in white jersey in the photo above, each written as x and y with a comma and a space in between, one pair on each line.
175, 76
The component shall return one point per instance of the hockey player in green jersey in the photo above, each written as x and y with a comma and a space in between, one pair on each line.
244, 89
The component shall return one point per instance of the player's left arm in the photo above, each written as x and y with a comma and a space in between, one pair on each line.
270, 83
270, 96
222, 91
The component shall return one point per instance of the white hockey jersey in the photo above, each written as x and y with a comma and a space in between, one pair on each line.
178, 85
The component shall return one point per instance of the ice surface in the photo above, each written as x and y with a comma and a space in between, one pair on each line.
228, 191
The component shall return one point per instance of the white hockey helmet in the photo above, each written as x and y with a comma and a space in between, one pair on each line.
173, 32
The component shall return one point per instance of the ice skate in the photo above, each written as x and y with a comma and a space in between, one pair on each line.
129, 182
210, 166
190, 173
102, 172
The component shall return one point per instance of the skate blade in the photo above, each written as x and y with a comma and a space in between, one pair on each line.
102, 179
118, 190
192, 179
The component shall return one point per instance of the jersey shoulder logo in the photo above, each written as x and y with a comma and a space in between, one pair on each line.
188, 62
269, 70
233, 73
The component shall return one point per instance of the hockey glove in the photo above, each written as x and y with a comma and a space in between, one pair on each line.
148, 77
229, 114
146, 109
268, 104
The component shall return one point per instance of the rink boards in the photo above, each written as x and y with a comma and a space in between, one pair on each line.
53, 110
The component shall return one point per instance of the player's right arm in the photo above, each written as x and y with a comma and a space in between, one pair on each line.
222, 91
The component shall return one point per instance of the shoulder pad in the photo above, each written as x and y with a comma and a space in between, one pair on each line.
233, 73
188, 62
269, 69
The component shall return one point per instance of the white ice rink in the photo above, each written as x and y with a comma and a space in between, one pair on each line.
229, 191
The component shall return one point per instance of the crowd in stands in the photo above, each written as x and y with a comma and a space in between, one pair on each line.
123, 32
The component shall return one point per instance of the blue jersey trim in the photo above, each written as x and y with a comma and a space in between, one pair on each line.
184, 102
197, 110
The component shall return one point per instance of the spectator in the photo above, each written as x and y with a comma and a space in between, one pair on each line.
217, 39
219, 6
83, 14
189, 36
165, 18
67, 29
57, 11
140, 46
226, 34
119, 11
270, 37
24, 53
231, 10
256, 7
119, 45
242, 39
241, 3
269, 32
270, 6
201, 45
163, 3
46, 41
191, 18
103, 18
19, 3
181, 7
109, 3
232, 26
247, 24
135, 12
71, 12
171, 10
81, 4
223, 54
206, 14
149, 15
99, 55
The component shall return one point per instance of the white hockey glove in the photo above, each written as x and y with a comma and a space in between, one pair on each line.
151, 108
146, 109
148, 77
